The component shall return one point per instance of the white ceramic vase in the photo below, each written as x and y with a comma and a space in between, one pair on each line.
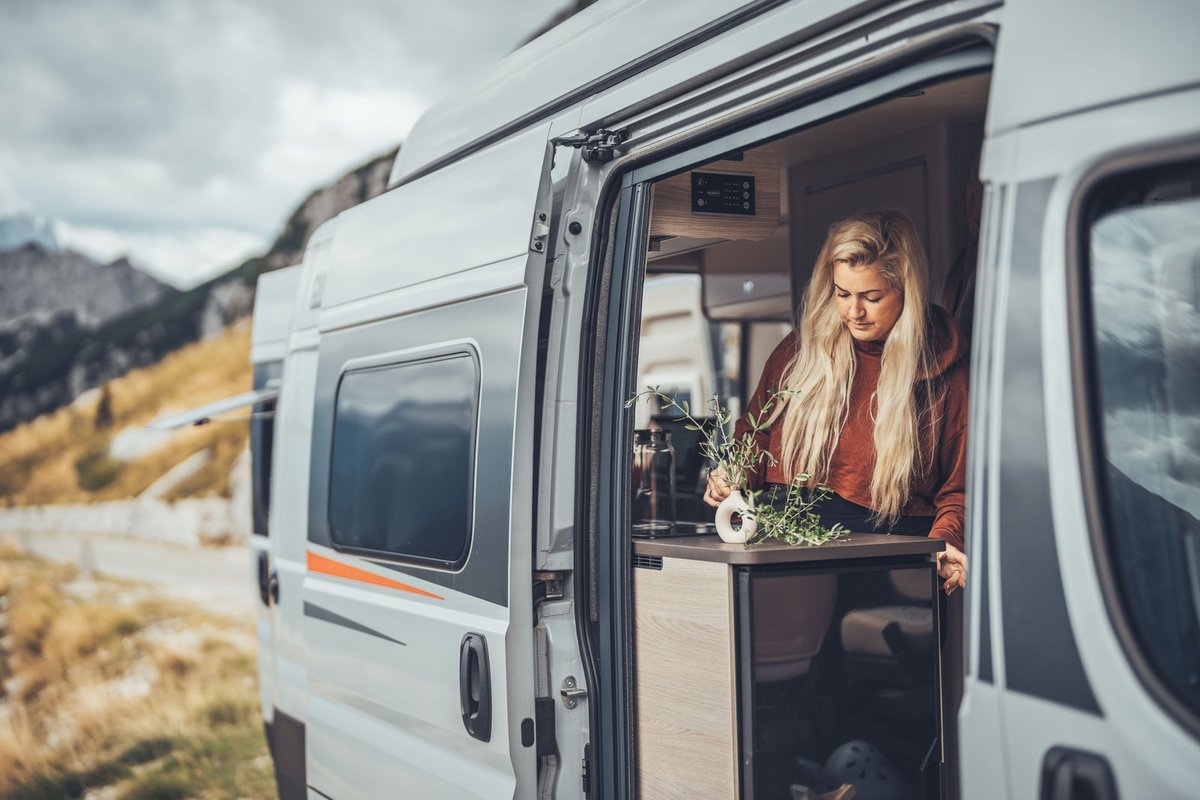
735, 504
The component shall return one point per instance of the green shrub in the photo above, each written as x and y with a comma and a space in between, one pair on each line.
96, 468
158, 786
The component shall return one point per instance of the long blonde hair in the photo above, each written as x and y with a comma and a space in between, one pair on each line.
814, 399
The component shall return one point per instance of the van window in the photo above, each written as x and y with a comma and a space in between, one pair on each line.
262, 443
402, 468
1144, 275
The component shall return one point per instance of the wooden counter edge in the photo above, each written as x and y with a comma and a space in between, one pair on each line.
851, 546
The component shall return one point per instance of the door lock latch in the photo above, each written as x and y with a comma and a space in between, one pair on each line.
571, 692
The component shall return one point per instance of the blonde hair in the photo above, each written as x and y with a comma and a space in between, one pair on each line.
814, 399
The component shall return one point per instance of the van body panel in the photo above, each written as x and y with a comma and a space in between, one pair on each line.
396, 729
470, 326
733, 72
268, 344
435, 277
417, 683
551, 70
477, 211
293, 441
495, 278
317, 257
290, 518
1093, 702
1035, 624
1129, 52
274, 300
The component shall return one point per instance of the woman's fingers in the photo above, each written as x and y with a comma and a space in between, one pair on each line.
954, 581
718, 487
952, 568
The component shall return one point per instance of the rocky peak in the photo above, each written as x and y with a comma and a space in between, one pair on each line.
40, 283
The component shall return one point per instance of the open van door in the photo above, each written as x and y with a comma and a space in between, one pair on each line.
1084, 651
417, 597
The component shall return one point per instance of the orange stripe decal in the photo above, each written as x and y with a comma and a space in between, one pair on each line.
327, 566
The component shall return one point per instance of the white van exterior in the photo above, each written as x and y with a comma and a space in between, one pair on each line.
460, 348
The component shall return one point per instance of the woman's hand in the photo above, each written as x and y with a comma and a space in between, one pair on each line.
952, 568
718, 487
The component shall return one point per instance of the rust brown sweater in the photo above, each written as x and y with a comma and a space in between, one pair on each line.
940, 493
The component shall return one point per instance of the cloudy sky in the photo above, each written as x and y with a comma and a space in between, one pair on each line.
182, 132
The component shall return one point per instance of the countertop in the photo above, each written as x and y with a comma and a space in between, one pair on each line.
849, 546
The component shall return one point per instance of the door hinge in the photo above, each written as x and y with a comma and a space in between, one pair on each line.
597, 147
541, 232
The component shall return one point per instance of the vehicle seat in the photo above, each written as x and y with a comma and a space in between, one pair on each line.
894, 631
791, 617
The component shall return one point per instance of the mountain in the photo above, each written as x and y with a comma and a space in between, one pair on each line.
57, 343
361, 183
36, 282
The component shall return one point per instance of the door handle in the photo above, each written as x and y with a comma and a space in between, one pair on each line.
264, 579
273, 586
475, 686
1076, 775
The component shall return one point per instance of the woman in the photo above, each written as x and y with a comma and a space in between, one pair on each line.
869, 396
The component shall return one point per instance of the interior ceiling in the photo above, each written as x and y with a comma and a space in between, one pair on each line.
961, 98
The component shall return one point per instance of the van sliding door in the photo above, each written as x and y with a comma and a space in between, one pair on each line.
417, 597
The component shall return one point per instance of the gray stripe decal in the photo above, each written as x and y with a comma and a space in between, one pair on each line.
985, 330
985, 605
1040, 655
325, 615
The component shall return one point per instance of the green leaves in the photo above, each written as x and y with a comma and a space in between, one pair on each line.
739, 457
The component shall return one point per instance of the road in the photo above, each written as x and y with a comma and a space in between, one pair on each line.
221, 579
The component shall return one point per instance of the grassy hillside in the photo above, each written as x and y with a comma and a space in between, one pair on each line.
62, 457
109, 691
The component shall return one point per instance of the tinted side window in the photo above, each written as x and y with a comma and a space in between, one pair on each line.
402, 465
1144, 274
262, 444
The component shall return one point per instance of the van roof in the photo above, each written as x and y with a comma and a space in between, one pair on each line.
601, 46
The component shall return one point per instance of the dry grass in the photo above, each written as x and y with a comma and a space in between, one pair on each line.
47, 460
106, 687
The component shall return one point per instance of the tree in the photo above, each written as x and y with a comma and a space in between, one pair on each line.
104, 409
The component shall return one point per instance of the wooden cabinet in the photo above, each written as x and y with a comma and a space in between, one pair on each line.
747, 658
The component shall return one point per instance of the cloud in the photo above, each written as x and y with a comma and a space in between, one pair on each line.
183, 257
142, 117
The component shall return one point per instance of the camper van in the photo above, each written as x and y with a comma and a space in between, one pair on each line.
452, 600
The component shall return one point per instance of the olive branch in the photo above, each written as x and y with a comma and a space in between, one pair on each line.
796, 522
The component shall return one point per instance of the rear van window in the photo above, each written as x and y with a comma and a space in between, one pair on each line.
402, 468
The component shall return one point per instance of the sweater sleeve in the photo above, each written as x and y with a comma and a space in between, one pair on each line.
768, 384
950, 500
